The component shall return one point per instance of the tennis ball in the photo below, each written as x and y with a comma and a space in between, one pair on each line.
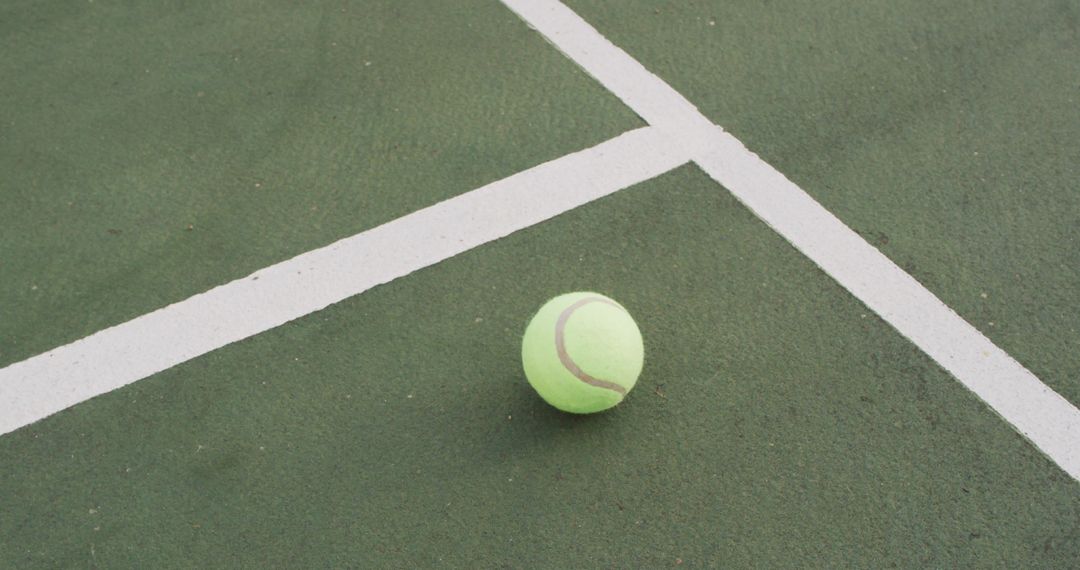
582, 352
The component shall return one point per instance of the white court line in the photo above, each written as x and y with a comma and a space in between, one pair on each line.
42, 385
45, 384
1040, 414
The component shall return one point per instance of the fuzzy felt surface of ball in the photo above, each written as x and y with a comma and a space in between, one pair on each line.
582, 352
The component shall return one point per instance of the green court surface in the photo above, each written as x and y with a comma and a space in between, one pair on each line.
777, 424
150, 153
267, 129
945, 133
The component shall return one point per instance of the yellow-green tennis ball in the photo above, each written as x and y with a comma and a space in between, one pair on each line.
582, 352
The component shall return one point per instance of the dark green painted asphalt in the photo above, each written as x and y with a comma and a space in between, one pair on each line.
268, 129
776, 424
943, 132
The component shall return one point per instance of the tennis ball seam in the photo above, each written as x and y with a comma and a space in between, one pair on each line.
564, 356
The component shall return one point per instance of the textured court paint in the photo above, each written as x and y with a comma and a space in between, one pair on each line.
1040, 414
944, 133
269, 128
778, 423
646, 94
1046, 418
35, 388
